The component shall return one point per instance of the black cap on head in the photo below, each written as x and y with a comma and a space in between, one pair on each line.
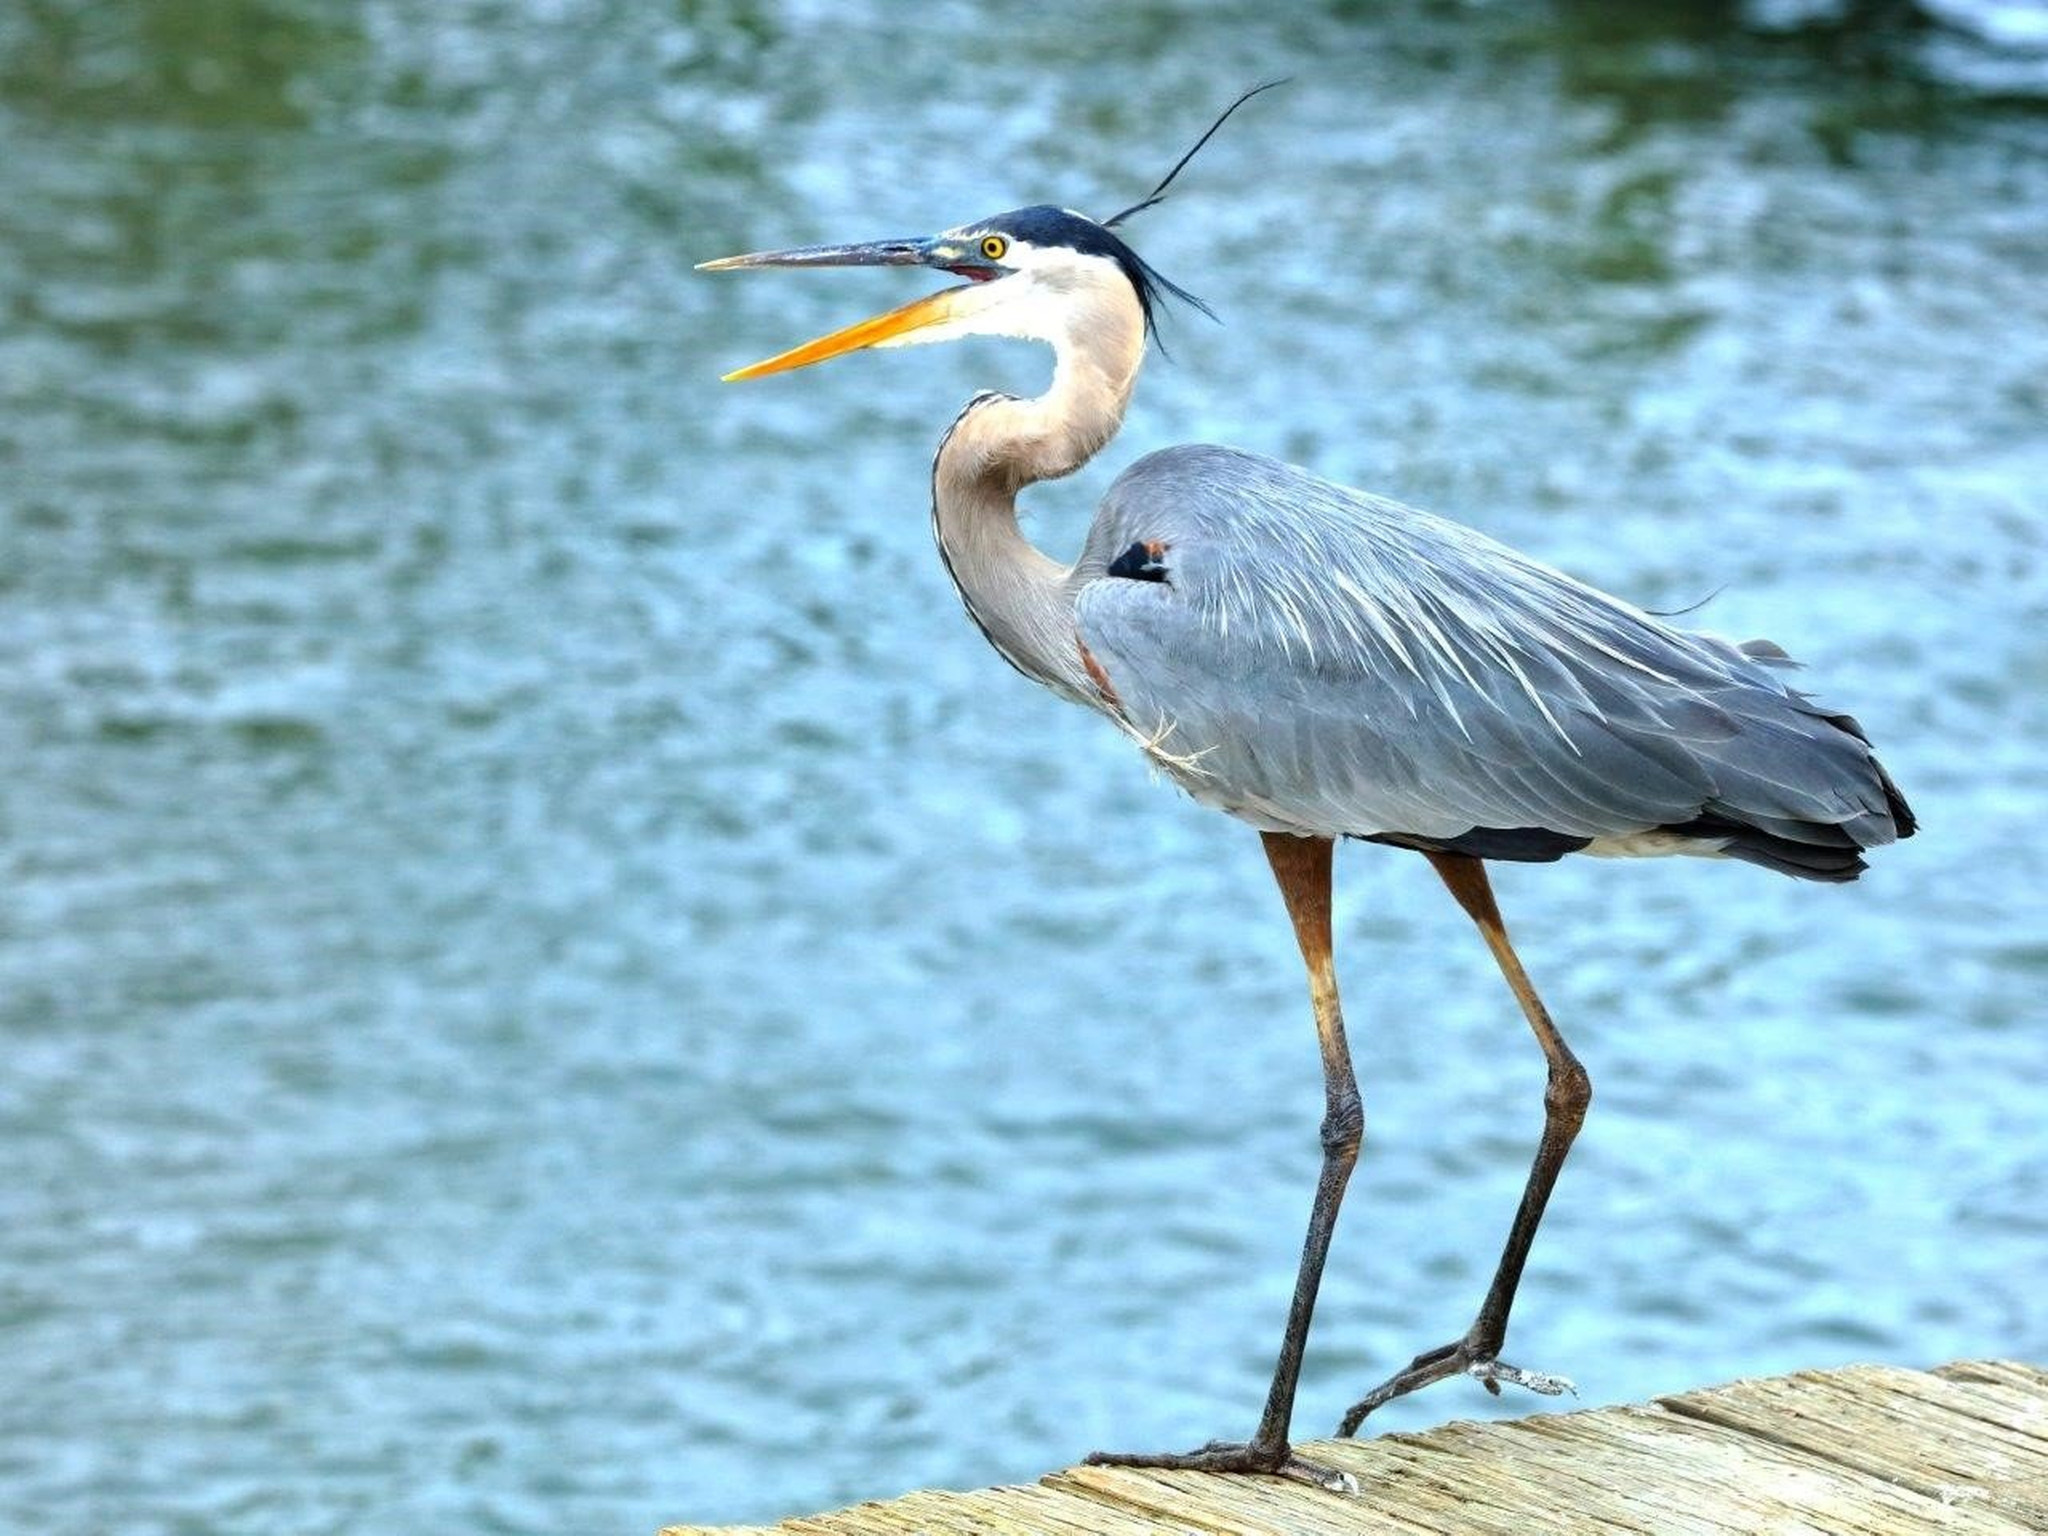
1062, 229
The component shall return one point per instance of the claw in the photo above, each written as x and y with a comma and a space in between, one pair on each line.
1494, 1372
1336, 1481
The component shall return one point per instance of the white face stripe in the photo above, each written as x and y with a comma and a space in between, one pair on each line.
1023, 256
1043, 291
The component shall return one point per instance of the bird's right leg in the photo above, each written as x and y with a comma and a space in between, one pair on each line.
1302, 867
1565, 1099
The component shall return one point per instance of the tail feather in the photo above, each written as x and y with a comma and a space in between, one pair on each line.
1810, 850
1828, 861
1806, 849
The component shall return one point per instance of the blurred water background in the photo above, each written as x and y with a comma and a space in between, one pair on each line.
552, 983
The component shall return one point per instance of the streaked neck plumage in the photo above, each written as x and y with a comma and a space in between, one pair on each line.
1018, 596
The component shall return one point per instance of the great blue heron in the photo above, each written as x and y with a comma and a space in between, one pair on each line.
1323, 664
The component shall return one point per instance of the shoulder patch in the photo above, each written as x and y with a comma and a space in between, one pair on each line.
1143, 561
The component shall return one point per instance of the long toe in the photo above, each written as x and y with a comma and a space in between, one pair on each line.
1431, 1365
1459, 1359
1219, 1456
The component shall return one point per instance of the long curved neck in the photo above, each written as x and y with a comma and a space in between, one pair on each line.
1016, 594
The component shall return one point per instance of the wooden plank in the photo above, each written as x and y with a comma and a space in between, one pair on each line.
2008, 1410
1999, 1373
1037, 1508
1681, 1473
1858, 1417
1862, 1451
1450, 1479
1244, 1506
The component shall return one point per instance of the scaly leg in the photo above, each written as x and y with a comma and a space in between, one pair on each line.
1302, 867
1565, 1098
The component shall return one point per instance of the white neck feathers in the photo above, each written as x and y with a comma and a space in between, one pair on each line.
1088, 312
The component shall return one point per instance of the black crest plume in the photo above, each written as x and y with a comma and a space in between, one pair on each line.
1150, 284
1158, 194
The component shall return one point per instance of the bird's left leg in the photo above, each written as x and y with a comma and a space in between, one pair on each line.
1565, 1099
1302, 867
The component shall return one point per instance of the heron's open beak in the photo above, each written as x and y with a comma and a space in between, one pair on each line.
879, 331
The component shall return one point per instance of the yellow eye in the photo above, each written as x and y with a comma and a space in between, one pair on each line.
993, 246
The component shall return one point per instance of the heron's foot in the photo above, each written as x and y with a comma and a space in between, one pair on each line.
1463, 1358
1222, 1456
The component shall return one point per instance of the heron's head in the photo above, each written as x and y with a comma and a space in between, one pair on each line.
1044, 273
1035, 273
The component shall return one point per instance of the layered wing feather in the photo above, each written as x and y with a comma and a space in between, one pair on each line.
1320, 660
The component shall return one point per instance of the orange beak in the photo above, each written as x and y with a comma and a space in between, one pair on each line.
879, 331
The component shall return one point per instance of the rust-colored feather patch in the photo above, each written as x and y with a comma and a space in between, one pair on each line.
1098, 676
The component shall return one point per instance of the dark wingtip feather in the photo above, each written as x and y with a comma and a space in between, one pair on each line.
1902, 814
1903, 819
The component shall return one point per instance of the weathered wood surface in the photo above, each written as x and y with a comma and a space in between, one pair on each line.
1863, 1451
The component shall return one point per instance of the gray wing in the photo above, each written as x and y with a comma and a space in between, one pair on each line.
1318, 660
